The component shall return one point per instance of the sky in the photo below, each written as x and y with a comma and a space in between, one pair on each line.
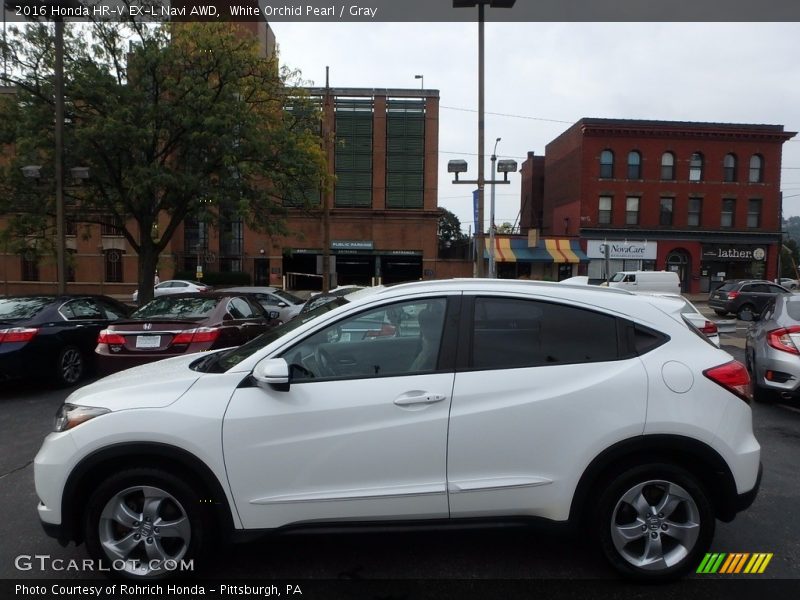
542, 77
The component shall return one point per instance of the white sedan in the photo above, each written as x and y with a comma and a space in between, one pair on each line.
174, 286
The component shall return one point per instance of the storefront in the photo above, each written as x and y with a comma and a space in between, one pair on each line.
352, 262
606, 257
727, 261
548, 260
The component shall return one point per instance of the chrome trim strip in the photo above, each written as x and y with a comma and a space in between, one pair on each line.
501, 483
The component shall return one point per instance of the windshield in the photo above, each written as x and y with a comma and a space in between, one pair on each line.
169, 307
222, 361
12, 309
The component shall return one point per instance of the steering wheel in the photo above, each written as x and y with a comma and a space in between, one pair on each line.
324, 362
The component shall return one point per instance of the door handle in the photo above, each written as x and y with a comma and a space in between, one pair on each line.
419, 399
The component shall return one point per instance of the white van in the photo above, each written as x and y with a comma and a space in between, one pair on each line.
646, 281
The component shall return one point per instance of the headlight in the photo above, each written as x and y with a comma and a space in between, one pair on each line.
71, 415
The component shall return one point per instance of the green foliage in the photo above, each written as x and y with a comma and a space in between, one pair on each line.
172, 120
217, 278
449, 228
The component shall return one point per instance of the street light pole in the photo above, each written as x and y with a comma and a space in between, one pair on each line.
479, 235
492, 263
61, 240
422, 81
481, 125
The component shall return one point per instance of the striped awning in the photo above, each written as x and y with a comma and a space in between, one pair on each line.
546, 251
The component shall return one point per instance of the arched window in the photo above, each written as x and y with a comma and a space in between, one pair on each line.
668, 166
634, 165
756, 169
606, 164
729, 167
696, 167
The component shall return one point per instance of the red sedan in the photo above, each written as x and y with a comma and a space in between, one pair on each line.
170, 326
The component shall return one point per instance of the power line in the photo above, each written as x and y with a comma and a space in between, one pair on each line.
472, 110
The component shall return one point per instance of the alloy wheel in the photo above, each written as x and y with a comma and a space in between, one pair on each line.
71, 365
144, 530
655, 525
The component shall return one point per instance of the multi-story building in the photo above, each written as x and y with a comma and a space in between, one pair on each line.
701, 199
382, 214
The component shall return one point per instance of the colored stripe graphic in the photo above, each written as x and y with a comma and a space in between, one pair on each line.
733, 563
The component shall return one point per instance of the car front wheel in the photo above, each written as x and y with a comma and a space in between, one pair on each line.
145, 524
654, 522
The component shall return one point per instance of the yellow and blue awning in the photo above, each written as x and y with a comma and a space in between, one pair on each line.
546, 251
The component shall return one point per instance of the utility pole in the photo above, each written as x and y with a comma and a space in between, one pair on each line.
327, 197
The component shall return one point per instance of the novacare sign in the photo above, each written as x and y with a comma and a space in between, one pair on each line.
624, 250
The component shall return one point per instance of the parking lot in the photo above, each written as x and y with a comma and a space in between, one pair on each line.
508, 553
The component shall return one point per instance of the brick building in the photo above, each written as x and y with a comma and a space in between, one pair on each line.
702, 199
382, 224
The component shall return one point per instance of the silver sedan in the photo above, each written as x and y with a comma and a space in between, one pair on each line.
772, 350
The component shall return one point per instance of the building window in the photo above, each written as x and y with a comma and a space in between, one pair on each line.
754, 213
668, 166
696, 167
695, 212
195, 237
632, 211
756, 169
728, 211
111, 226
634, 165
665, 217
405, 153
30, 266
604, 210
231, 242
729, 168
113, 266
70, 227
606, 164
353, 155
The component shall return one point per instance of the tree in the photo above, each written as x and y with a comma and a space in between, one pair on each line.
505, 228
174, 121
449, 229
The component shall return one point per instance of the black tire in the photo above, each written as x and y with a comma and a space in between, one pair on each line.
720, 313
174, 505
70, 366
687, 512
744, 310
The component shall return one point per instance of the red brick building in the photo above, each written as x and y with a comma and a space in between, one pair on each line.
702, 199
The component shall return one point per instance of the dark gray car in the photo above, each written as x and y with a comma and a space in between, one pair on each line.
772, 350
745, 298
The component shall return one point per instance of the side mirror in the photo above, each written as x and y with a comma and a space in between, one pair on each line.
272, 373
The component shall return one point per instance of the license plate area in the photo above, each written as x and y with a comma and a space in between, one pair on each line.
148, 341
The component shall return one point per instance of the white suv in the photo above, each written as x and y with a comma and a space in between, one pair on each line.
433, 401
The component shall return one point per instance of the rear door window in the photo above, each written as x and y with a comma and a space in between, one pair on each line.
510, 332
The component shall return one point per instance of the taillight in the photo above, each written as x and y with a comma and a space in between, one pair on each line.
780, 339
733, 376
18, 334
109, 337
196, 336
732, 295
709, 328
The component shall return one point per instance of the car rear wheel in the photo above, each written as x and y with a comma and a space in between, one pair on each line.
654, 522
145, 523
70, 366
746, 312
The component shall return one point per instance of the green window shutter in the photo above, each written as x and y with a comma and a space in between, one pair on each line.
405, 153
